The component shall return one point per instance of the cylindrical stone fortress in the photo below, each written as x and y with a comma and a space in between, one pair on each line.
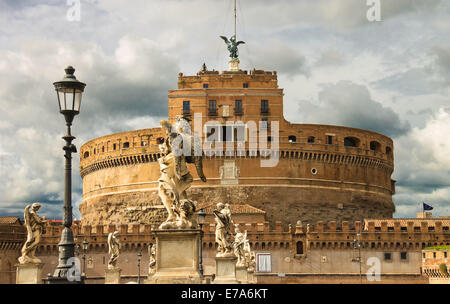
323, 172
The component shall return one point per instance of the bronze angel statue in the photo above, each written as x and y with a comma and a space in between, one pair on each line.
178, 149
35, 227
232, 46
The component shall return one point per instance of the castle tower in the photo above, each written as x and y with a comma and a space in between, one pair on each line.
322, 172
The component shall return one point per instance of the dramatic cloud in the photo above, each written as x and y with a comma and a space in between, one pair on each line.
339, 68
349, 104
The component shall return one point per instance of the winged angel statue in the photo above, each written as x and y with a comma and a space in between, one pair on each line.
178, 149
35, 227
232, 46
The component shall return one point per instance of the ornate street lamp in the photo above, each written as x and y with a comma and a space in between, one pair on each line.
201, 215
85, 246
139, 267
69, 91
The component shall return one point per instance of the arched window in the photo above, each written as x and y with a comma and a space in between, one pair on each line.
389, 151
351, 142
375, 146
86, 154
292, 139
299, 247
311, 139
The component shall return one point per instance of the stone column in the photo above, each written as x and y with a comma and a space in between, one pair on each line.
177, 257
112, 276
29, 273
226, 270
234, 65
251, 277
241, 274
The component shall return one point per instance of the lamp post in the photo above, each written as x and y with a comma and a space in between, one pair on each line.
85, 246
357, 245
139, 267
201, 215
69, 91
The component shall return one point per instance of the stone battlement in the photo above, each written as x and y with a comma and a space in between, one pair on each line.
418, 230
255, 79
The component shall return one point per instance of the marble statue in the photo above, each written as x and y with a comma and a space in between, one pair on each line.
232, 46
114, 249
175, 178
35, 226
223, 230
152, 259
239, 242
251, 262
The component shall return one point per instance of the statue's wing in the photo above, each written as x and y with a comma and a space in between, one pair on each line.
225, 39
109, 242
240, 42
220, 216
26, 215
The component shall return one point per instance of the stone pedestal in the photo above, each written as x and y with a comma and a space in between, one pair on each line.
30, 273
177, 257
251, 277
241, 274
226, 270
112, 276
234, 65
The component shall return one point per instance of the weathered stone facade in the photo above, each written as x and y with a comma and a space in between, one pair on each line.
12, 237
323, 173
323, 254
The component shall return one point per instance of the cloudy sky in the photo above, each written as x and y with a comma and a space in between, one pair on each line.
337, 67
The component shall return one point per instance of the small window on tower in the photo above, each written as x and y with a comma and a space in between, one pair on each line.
186, 106
238, 107
205, 85
264, 106
329, 139
245, 85
212, 109
311, 139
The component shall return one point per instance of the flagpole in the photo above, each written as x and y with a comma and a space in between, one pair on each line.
235, 20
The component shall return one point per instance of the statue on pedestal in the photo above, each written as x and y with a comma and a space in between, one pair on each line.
223, 230
249, 257
239, 250
178, 149
152, 259
35, 227
251, 262
114, 249
232, 46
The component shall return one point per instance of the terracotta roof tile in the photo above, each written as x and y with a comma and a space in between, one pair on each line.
10, 220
